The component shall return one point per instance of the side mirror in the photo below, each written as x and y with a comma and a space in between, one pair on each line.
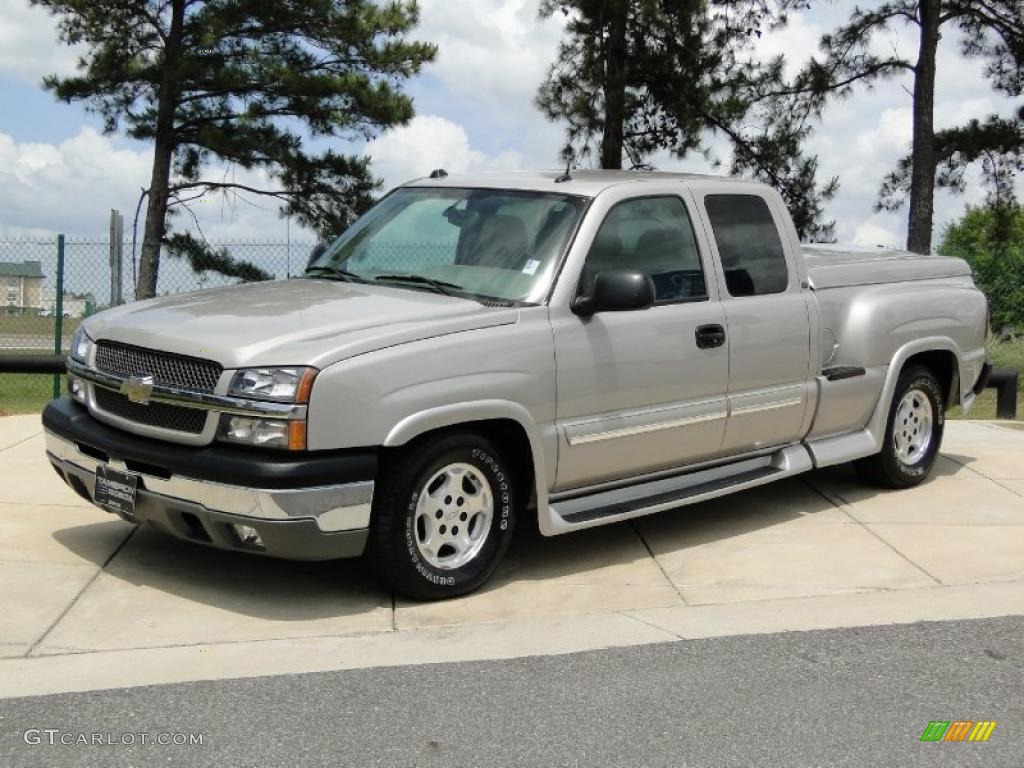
616, 290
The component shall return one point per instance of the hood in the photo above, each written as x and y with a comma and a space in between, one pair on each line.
291, 322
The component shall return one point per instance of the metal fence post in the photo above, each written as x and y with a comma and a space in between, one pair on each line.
58, 333
116, 257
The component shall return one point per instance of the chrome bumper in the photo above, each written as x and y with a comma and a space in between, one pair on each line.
333, 508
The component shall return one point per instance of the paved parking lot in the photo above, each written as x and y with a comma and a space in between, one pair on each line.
813, 552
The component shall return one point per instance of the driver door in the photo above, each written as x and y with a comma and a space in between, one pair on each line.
642, 390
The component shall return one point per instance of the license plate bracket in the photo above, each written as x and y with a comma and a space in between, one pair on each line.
116, 490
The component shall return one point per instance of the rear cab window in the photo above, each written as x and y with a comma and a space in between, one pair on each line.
749, 245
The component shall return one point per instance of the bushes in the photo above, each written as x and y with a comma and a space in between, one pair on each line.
991, 240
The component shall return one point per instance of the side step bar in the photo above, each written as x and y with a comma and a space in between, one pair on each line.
603, 507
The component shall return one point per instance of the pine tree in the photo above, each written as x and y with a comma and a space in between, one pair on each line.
992, 30
635, 77
997, 144
248, 83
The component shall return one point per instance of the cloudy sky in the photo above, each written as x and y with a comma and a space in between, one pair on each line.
475, 111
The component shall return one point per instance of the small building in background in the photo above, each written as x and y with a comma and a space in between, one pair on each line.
22, 286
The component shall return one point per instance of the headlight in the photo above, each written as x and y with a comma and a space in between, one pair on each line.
263, 433
287, 385
290, 385
80, 344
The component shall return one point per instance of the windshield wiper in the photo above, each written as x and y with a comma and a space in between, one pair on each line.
439, 286
344, 274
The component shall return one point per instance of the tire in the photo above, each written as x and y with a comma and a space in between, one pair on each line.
433, 534
913, 433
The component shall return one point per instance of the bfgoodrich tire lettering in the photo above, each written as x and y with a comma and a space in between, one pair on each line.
443, 516
913, 433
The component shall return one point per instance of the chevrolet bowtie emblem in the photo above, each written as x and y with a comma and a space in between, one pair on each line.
137, 388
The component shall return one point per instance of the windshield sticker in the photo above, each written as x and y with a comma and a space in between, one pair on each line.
531, 267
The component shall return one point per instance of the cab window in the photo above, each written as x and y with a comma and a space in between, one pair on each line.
652, 235
748, 244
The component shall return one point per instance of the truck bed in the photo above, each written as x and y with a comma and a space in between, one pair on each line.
835, 266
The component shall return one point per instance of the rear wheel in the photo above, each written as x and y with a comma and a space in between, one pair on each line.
443, 517
913, 434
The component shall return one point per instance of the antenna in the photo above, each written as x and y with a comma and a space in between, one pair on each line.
565, 176
439, 173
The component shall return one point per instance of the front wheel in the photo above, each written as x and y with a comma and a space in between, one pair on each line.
913, 434
442, 517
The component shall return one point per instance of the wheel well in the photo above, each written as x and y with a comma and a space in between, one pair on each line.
508, 435
943, 364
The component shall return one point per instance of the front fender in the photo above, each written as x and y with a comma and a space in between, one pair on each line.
455, 414
392, 395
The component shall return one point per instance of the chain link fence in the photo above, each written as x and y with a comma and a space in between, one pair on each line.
49, 285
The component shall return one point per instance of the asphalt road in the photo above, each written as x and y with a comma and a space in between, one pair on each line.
850, 697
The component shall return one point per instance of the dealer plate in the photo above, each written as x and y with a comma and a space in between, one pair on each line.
116, 490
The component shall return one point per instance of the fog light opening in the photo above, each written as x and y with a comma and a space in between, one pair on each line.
248, 536
76, 389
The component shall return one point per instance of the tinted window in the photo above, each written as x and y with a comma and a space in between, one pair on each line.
652, 235
748, 243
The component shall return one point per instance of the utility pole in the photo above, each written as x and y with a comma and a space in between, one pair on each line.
116, 257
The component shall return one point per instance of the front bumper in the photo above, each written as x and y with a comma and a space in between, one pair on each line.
311, 506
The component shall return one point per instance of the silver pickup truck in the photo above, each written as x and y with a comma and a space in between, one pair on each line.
480, 350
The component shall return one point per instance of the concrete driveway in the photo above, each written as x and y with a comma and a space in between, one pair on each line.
88, 601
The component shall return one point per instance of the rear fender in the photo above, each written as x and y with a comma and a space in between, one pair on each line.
879, 418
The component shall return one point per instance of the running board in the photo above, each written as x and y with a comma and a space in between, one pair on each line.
603, 507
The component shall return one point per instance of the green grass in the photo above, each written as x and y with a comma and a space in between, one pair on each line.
24, 392
984, 408
25, 334
34, 332
34, 325
1008, 354
1002, 354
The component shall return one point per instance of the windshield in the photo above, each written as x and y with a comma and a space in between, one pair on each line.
488, 243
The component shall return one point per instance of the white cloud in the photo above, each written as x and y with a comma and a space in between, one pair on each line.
797, 41
889, 135
70, 187
29, 47
874, 233
430, 142
494, 50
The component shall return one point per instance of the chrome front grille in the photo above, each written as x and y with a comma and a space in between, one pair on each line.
188, 420
167, 370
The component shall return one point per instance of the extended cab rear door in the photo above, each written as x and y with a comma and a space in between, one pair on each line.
767, 314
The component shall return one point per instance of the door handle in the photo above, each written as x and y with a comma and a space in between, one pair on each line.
710, 336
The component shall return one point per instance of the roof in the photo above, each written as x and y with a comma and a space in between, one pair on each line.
583, 182
21, 269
